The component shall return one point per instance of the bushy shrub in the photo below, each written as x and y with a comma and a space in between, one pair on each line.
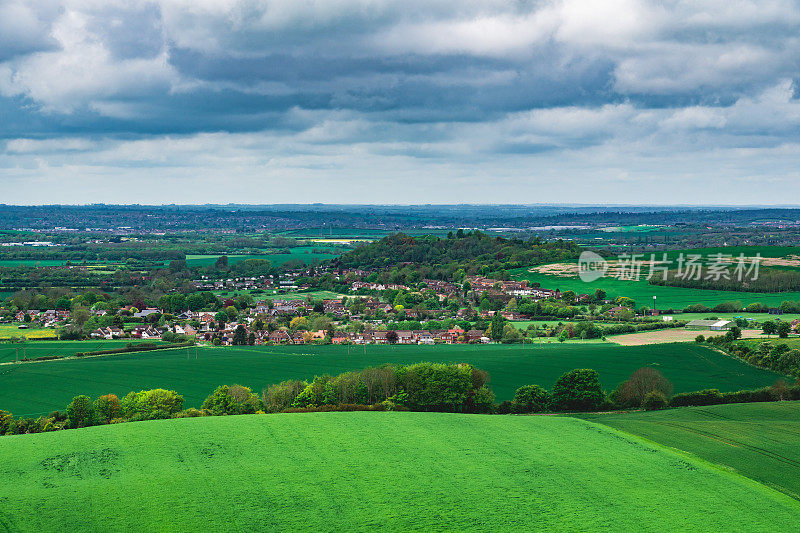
530, 399
504, 408
151, 404
6, 420
700, 338
232, 400
190, 413
578, 390
655, 400
703, 397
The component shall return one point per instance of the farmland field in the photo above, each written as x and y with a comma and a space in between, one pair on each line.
9, 351
32, 332
372, 471
759, 440
642, 292
38, 388
302, 253
661, 336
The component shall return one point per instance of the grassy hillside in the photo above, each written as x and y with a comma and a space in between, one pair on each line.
368, 471
759, 440
38, 388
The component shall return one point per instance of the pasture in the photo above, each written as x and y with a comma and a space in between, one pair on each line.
39, 388
371, 471
758, 440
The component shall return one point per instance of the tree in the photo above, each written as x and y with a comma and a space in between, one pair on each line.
80, 412
632, 392
107, 408
220, 318
769, 327
599, 295
391, 337
151, 404
232, 400
239, 336
784, 329
578, 390
496, 327
530, 399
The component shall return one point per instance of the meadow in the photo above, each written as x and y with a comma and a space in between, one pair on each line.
32, 389
758, 440
370, 471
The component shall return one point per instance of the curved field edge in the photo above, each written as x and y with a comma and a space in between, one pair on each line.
368, 471
758, 440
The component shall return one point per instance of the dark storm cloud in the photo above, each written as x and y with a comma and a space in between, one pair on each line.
457, 91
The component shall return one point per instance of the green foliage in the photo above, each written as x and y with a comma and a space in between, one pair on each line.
232, 400
655, 400
634, 391
80, 412
578, 390
107, 408
151, 404
530, 399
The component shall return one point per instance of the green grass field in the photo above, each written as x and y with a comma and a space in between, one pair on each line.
368, 472
642, 292
38, 388
759, 440
10, 351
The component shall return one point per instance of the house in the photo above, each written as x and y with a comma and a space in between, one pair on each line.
617, 311
144, 313
112, 332
145, 332
279, 336
476, 335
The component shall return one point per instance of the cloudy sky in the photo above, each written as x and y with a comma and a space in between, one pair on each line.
429, 101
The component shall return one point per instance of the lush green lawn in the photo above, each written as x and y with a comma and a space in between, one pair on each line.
371, 471
32, 349
38, 388
642, 292
759, 440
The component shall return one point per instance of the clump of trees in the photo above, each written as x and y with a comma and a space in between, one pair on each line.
458, 388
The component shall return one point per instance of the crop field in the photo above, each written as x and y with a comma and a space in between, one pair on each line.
662, 336
303, 253
642, 292
32, 332
372, 471
758, 440
10, 351
39, 388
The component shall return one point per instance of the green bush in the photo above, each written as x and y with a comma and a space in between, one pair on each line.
703, 397
530, 399
232, 400
578, 390
151, 404
655, 400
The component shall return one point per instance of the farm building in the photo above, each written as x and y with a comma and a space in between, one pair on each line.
713, 325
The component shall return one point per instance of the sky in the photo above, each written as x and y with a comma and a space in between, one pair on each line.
410, 102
